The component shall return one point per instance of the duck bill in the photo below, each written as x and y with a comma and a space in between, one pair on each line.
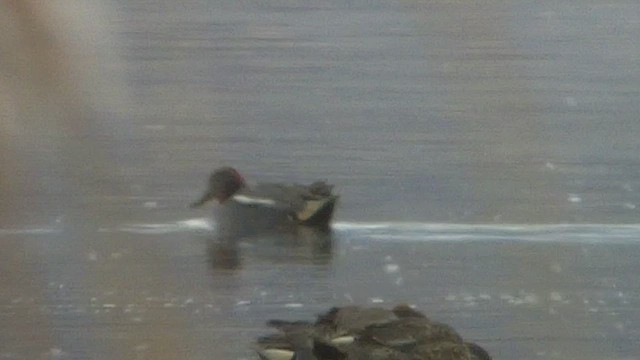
206, 197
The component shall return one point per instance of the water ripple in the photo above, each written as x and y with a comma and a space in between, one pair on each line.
403, 231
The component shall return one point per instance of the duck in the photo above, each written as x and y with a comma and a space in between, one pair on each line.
308, 205
375, 333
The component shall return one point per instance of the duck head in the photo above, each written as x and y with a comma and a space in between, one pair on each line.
224, 182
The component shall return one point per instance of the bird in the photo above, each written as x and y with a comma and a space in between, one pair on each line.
373, 333
270, 203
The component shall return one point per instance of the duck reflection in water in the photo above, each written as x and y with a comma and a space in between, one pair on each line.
296, 244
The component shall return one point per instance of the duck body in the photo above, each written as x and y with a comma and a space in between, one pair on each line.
354, 333
269, 204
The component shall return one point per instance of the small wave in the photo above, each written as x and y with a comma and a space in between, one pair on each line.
30, 231
360, 225
580, 233
166, 228
406, 231
417, 232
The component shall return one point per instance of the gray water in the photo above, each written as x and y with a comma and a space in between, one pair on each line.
445, 111
486, 155
170, 291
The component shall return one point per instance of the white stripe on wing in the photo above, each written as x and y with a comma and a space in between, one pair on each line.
244, 199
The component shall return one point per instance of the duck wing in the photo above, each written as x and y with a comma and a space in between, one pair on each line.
292, 197
277, 196
353, 320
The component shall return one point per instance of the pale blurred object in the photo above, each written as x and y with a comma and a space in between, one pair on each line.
61, 90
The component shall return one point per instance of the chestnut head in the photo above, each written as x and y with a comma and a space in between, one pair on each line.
224, 182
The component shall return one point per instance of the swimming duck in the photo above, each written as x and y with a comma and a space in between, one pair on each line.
353, 332
310, 205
